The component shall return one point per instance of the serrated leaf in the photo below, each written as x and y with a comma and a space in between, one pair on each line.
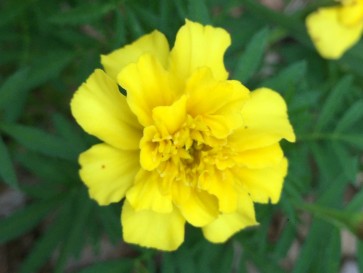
359, 255
290, 23
25, 219
285, 241
352, 139
14, 87
119, 30
168, 263
288, 78
68, 131
356, 203
310, 253
72, 244
134, 24
7, 171
40, 71
349, 163
48, 67
53, 171
353, 115
81, 14
123, 265
198, 11
249, 62
39, 141
13, 10
45, 245
111, 222
333, 102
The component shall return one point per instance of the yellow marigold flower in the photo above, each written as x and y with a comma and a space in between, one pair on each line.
185, 144
336, 29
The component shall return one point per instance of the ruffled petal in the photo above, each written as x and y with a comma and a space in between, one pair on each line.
221, 185
146, 193
154, 44
260, 158
169, 119
164, 231
263, 185
265, 121
197, 46
148, 85
226, 225
219, 103
199, 208
101, 110
332, 38
108, 172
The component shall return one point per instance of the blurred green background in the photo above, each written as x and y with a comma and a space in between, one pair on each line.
47, 221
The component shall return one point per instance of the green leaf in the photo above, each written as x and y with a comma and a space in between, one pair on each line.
14, 87
123, 265
353, 115
51, 170
359, 255
71, 133
111, 222
82, 14
168, 263
13, 10
25, 219
39, 141
73, 242
48, 67
43, 69
352, 139
7, 171
290, 23
45, 246
348, 163
315, 244
333, 102
288, 78
250, 60
356, 203
198, 11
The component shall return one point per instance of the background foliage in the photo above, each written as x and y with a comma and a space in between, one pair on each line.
48, 48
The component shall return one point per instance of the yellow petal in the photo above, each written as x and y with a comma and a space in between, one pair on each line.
265, 184
146, 193
351, 12
330, 36
149, 155
219, 103
164, 231
259, 158
197, 46
265, 121
199, 209
154, 43
108, 172
170, 118
102, 111
148, 85
221, 185
228, 224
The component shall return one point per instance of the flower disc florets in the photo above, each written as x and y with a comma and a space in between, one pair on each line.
186, 144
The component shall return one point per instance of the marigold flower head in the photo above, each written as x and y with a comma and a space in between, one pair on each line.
334, 30
185, 144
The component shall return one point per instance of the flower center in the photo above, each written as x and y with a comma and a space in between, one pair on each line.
186, 155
